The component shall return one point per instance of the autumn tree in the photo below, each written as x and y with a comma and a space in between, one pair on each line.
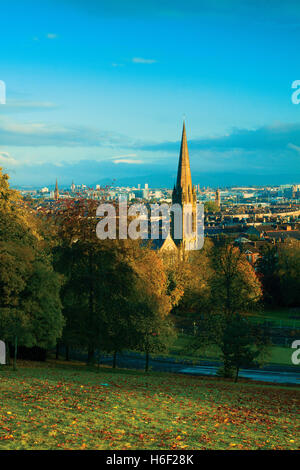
233, 290
108, 285
194, 273
235, 287
152, 332
83, 263
100, 281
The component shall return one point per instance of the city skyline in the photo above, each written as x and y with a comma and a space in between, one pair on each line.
102, 96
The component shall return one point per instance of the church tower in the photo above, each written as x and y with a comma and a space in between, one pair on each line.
56, 193
184, 194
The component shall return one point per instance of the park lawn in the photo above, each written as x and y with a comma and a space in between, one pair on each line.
58, 406
285, 317
278, 355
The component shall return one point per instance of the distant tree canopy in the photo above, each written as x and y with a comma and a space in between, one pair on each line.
211, 206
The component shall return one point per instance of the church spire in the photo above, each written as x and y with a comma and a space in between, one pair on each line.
184, 179
185, 195
56, 192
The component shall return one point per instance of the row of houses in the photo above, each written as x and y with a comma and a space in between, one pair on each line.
252, 239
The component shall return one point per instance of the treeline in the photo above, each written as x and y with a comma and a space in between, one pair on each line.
61, 285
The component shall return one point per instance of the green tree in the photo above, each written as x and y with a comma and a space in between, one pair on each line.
151, 332
30, 312
99, 281
103, 282
243, 345
289, 273
268, 271
234, 289
118, 306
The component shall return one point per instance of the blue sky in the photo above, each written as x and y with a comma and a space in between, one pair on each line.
98, 90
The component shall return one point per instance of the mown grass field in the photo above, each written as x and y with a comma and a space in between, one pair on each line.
55, 406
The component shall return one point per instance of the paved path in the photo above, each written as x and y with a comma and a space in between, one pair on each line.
260, 375
271, 374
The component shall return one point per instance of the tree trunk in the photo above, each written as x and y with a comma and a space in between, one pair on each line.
7, 353
91, 356
227, 368
91, 311
15, 353
67, 353
237, 374
57, 351
147, 362
115, 360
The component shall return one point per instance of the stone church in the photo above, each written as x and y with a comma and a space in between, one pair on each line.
184, 195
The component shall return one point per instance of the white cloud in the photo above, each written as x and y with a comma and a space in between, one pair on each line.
51, 36
34, 134
294, 147
7, 159
128, 161
30, 128
141, 60
124, 156
12, 104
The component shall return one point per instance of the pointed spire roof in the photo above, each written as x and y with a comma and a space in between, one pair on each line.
184, 179
56, 193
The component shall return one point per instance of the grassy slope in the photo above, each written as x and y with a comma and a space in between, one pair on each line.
56, 406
